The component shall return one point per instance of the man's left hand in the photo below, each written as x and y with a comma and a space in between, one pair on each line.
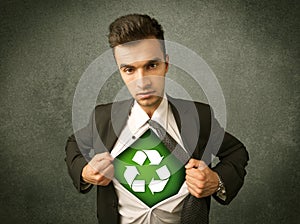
200, 179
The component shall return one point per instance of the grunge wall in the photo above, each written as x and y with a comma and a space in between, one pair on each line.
45, 46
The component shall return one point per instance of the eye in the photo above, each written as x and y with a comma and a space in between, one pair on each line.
128, 70
152, 65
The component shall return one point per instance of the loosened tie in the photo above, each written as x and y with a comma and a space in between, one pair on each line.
169, 142
194, 210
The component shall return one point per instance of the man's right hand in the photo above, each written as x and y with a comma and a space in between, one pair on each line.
100, 170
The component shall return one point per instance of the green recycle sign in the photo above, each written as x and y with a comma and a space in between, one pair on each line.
148, 170
132, 172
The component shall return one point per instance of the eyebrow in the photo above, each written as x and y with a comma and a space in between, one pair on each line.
148, 62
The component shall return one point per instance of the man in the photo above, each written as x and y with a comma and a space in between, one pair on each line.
139, 51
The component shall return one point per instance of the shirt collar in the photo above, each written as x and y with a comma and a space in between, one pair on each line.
160, 115
138, 117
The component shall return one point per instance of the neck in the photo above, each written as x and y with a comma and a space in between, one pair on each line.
150, 109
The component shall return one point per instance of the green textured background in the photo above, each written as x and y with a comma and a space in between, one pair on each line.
252, 46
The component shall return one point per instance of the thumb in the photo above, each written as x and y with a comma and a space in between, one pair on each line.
193, 163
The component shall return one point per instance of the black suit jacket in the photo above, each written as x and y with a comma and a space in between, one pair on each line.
200, 133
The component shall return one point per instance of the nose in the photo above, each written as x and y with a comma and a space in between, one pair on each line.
142, 80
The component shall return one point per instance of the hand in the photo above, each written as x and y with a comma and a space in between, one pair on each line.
200, 179
100, 170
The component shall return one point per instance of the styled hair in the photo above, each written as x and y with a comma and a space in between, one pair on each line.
134, 27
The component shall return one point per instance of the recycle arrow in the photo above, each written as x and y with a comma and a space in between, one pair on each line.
157, 185
130, 174
139, 157
139, 185
154, 157
163, 172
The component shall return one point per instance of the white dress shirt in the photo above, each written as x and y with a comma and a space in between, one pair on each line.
132, 209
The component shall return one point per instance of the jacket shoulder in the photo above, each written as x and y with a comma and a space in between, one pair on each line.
107, 108
202, 108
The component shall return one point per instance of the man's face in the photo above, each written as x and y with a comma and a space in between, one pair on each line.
143, 68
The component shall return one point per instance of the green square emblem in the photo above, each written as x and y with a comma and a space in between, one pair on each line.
148, 170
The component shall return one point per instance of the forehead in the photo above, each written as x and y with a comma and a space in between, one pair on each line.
143, 50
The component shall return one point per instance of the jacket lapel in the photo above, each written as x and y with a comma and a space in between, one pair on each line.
174, 107
185, 114
187, 120
118, 119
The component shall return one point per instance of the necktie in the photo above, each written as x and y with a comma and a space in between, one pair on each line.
170, 143
195, 210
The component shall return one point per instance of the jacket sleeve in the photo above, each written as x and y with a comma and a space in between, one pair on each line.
233, 159
78, 148
231, 168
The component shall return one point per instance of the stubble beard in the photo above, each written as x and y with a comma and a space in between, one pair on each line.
150, 103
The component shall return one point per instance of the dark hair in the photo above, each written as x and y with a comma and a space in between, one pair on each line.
135, 27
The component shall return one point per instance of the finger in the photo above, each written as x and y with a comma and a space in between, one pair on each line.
91, 170
102, 156
99, 166
202, 165
109, 172
195, 182
105, 177
92, 179
192, 163
197, 185
193, 191
196, 173
195, 188
105, 182
99, 179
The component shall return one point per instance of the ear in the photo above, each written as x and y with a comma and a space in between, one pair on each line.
167, 62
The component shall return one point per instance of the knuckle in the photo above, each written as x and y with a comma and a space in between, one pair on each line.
104, 163
187, 172
200, 185
193, 160
202, 163
105, 183
96, 157
99, 178
105, 154
199, 191
197, 195
201, 176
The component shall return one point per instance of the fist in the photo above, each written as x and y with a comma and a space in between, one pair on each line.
200, 179
100, 170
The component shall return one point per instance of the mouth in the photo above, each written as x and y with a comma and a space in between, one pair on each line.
145, 95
